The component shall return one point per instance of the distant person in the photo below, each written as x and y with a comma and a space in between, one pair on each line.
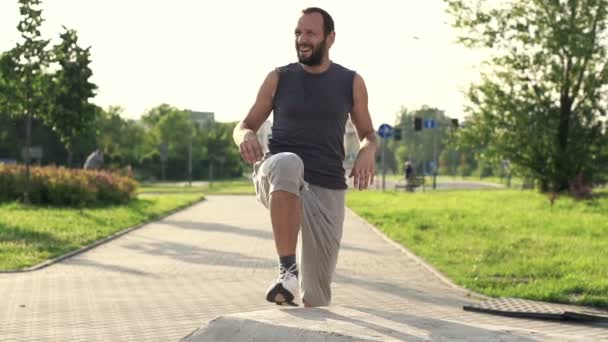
94, 160
409, 176
129, 171
302, 179
409, 171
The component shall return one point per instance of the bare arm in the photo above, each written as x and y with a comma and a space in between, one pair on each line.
244, 134
360, 115
364, 168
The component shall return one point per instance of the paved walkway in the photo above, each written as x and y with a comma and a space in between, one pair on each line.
162, 281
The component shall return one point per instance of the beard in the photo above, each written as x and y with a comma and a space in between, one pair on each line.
316, 55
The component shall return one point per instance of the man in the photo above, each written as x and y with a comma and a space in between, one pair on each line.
408, 170
94, 160
301, 180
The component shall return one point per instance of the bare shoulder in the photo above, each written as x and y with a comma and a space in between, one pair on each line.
358, 78
268, 88
273, 76
360, 112
359, 88
271, 81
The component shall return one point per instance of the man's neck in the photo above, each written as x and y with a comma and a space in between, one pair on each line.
317, 69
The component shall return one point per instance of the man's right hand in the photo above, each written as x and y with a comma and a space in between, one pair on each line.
250, 148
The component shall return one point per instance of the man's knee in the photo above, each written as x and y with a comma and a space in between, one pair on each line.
287, 167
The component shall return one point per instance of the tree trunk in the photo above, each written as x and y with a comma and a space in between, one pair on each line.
578, 187
70, 158
544, 185
562, 174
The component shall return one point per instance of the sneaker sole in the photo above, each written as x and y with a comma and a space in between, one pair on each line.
286, 304
280, 295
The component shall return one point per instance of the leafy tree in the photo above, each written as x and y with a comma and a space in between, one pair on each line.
9, 137
123, 141
221, 151
71, 112
176, 130
153, 116
541, 102
30, 59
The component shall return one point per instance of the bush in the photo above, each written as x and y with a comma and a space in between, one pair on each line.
60, 186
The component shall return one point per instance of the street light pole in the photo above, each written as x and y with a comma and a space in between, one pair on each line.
435, 164
190, 163
383, 144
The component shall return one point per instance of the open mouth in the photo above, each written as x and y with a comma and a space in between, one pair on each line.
305, 50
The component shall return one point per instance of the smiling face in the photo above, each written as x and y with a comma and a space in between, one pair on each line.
312, 43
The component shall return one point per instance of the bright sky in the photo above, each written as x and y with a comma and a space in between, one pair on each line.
213, 55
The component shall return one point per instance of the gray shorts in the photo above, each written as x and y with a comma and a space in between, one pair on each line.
322, 221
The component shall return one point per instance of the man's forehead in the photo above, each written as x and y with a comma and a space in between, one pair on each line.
311, 21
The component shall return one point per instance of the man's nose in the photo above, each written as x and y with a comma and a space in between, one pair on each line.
302, 39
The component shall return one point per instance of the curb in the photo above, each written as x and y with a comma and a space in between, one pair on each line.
98, 242
421, 262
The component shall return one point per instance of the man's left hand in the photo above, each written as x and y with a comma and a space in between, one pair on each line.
364, 168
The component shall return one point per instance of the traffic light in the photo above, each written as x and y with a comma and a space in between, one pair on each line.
417, 124
397, 134
454, 123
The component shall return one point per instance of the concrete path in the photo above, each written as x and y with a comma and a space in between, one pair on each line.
161, 282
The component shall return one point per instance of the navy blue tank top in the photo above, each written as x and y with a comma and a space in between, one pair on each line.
309, 118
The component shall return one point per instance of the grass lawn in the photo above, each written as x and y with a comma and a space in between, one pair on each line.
502, 242
223, 187
32, 235
236, 187
169, 189
516, 182
29, 236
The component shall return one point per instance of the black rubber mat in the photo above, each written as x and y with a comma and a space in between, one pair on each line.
515, 307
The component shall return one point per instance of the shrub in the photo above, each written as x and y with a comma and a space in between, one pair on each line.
66, 187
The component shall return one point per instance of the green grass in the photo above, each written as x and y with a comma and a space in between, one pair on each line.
502, 242
516, 182
235, 187
223, 187
169, 189
30, 235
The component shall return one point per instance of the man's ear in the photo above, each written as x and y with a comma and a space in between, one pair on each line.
331, 38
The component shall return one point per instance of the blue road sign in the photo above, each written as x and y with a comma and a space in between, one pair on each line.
385, 131
429, 123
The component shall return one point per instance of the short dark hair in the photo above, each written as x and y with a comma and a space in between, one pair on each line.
328, 22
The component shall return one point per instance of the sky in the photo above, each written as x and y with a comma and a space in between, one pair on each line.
213, 55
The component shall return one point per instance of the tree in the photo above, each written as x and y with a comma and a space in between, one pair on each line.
173, 132
71, 112
176, 130
8, 85
30, 60
211, 146
12, 121
9, 138
540, 104
123, 141
221, 150
151, 118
